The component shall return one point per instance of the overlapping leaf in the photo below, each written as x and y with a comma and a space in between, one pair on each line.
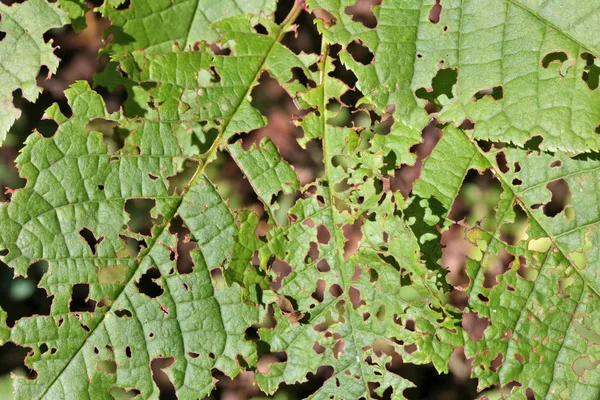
540, 311
521, 67
23, 52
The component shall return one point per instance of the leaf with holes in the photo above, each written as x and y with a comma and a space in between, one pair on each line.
517, 68
422, 129
23, 51
533, 293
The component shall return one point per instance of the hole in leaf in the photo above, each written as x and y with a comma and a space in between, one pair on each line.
185, 246
123, 313
353, 234
591, 73
319, 292
559, 57
90, 239
282, 269
517, 166
318, 348
300, 76
123, 394
496, 362
107, 366
556, 164
498, 265
441, 85
435, 12
124, 5
261, 29
139, 211
113, 135
323, 234
160, 378
502, 163
360, 53
561, 197
336, 290
362, 11
519, 357
467, 125
496, 93
21, 297
147, 284
264, 364
533, 144
475, 325
80, 301
323, 266
338, 348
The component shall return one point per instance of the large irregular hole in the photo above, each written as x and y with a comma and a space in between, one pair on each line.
561, 197
123, 394
185, 246
360, 53
107, 366
353, 234
498, 265
299, 75
161, 379
147, 284
124, 5
435, 12
559, 57
80, 301
113, 135
21, 297
534, 143
261, 29
502, 163
13, 359
264, 364
139, 211
362, 11
475, 325
90, 239
441, 85
323, 234
591, 71
282, 269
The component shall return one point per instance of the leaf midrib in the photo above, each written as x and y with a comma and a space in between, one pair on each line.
207, 157
596, 52
529, 212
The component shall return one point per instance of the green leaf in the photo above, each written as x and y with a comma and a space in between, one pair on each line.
73, 178
23, 52
188, 22
346, 275
266, 170
352, 312
520, 66
540, 312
